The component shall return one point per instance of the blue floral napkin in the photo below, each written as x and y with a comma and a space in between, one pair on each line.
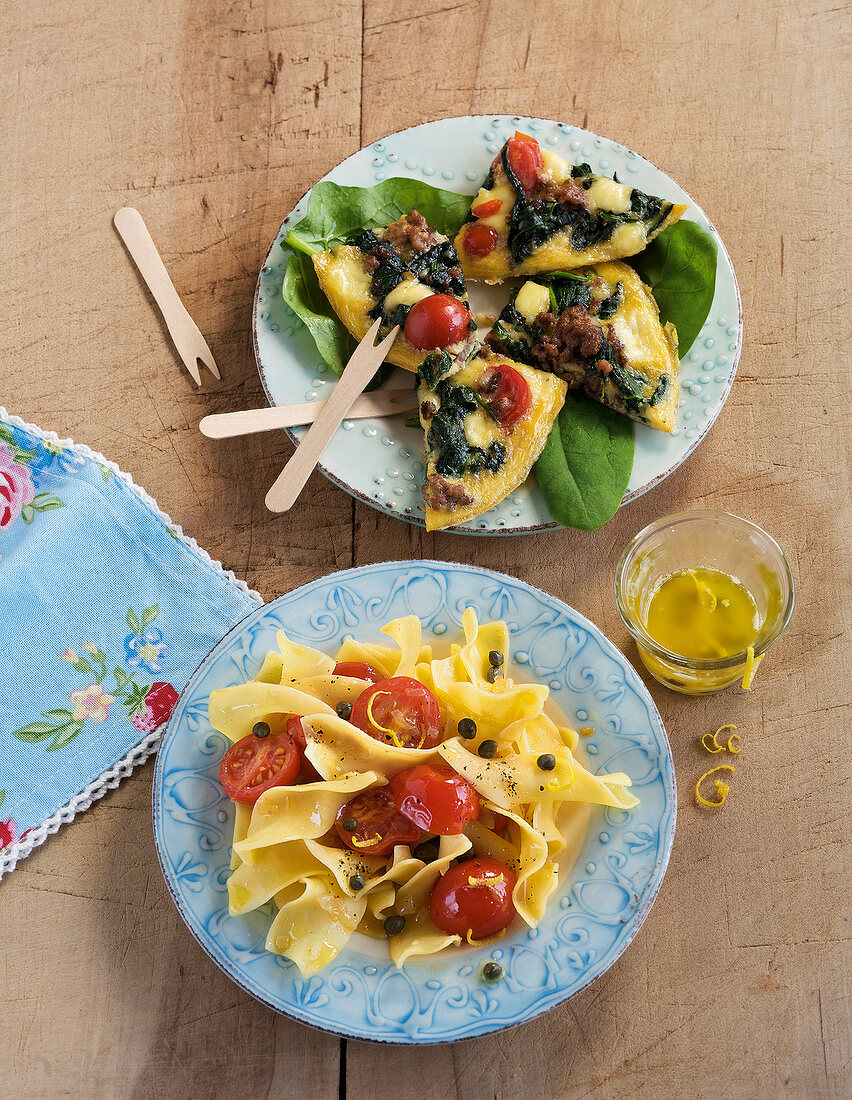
105, 611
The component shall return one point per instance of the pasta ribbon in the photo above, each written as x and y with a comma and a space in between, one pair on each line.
234, 710
335, 747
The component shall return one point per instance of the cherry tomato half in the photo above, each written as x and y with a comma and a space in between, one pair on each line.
509, 396
474, 899
254, 764
436, 798
480, 240
436, 322
400, 711
378, 824
525, 159
487, 209
358, 670
307, 772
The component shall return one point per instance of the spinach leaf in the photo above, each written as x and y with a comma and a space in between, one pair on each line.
335, 213
609, 307
680, 268
434, 367
585, 466
447, 436
439, 268
301, 291
568, 289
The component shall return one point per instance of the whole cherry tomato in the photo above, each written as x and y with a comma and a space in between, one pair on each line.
371, 824
256, 763
400, 711
525, 159
474, 899
358, 670
509, 396
436, 322
436, 798
480, 240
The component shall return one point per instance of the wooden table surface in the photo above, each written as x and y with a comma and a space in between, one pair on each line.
213, 117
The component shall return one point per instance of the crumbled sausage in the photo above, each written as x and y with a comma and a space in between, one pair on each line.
564, 339
568, 192
410, 233
428, 409
443, 495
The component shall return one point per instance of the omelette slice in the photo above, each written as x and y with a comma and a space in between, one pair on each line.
599, 329
535, 212
486, 424
384, 272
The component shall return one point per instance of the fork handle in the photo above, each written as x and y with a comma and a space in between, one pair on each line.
134, 233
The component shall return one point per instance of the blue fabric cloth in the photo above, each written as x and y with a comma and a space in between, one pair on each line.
105, 611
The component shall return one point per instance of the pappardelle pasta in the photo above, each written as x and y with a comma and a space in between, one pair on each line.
431, 801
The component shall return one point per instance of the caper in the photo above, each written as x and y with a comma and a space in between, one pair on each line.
493, 674
492, 971
344, 711
467, 729
261, 729
487, 749
547, 761
350, 824
427, 851
394, 924
356, 882
496, 658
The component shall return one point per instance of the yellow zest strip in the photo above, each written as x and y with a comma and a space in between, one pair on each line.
555, 785
371, 843
721, 786
494, 881
386, 729
751, 667
713, 744
482, 943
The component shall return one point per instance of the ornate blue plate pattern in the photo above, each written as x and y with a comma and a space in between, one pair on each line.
599, 907
385, 469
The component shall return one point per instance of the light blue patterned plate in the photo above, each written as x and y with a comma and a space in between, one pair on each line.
384, 468
599, 907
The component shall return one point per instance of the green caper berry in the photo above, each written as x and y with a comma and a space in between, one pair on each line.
493, 675
261, 729
344, 710
394, 924
487, 749
356, 882
492, 972
427, 851
350, 824
496, 658
467, 729
547, 761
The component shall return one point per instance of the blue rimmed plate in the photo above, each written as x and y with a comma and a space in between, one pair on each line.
599, 907
379, 461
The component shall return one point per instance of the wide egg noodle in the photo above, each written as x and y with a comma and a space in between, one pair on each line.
303, 812
516, 780
408, 635
332, 690
271, 669
299, 661
254, 882
242, 817
335, 747
234, 710
420, 936
538, 874
382, 657
480, 642
312, 929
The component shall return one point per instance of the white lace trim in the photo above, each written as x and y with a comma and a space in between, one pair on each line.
110, 779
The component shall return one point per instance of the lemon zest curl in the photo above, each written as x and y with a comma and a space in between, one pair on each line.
492, 881
722, 788
482, 943
369, 843
710, 741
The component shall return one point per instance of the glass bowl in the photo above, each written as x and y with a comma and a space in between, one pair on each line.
707, 540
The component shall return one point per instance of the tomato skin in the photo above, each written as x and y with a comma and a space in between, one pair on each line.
377, 816
358, 670
436, 322
403, 705
480, 240
436, 798
525, 159
487, 209
256, 764
297, 731
509, 397
474, 911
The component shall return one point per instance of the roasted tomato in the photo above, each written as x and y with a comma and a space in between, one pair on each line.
358, 670
487, 209
474, 899
436, 322
507, 393
371, 824
525, 159
400, 711
256, 763
436, 798
480, 240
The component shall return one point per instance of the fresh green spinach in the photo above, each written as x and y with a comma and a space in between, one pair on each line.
447, 436
301, 291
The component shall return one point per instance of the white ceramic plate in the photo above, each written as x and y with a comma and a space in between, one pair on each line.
379, 461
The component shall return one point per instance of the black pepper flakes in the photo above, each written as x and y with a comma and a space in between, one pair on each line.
487, 749
261, 729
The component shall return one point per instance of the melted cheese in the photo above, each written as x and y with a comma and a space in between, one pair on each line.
628, 239
406, 293
606, 194
554, 166
532, 299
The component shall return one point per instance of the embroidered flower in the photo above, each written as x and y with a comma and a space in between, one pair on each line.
8, 833
16, 487
90, 702
160, 701
145, 650
69, 655
90, 647
54, 454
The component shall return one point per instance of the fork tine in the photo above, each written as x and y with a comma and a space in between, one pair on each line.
388, 340
191, 364
206, 357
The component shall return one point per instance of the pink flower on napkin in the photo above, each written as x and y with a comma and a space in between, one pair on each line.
90, 702
16, 487
8, 833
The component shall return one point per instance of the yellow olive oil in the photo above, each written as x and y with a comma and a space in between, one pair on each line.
702, 613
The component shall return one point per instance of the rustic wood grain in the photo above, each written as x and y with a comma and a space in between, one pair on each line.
212, 118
